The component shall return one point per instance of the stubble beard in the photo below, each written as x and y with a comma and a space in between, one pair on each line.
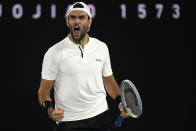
83, 29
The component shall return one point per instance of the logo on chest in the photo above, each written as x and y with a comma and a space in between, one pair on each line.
99, 60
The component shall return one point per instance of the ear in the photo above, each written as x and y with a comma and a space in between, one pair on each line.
90, 22
67, 22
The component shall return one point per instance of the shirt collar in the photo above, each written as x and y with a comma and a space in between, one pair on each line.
72, 44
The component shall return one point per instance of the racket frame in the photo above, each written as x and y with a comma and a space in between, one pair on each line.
137, 97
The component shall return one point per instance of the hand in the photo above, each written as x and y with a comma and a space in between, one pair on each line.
123, 111
57, 114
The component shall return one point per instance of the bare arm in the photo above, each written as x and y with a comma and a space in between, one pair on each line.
44, 90
113, 90
111, 86
44, 95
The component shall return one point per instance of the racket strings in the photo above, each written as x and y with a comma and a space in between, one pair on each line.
131, 103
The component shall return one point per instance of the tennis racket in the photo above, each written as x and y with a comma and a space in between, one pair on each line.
131, 101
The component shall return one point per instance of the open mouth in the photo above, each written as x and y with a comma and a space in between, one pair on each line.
76, 32
77, 29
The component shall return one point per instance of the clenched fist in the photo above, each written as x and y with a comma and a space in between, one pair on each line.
57, 114
123, 111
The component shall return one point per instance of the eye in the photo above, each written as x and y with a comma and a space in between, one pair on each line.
81, 17
72, 17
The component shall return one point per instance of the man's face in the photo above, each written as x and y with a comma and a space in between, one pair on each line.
78, 24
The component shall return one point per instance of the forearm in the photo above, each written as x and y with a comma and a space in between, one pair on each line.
113, 90
43, 97
44, 91
111, 86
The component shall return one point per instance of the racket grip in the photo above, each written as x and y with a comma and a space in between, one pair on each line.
119, 121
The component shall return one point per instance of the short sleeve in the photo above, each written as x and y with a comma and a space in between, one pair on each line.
107, 70
50, 65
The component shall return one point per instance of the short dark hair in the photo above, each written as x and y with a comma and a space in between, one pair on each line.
78, 5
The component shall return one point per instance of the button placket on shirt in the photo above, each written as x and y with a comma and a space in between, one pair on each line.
83, 53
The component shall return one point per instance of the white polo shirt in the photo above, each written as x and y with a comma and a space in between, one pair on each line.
78, 73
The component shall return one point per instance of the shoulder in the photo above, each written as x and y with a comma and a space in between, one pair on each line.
57, 48
99, 43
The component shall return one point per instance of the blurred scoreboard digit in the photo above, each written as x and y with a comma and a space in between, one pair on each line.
142, 9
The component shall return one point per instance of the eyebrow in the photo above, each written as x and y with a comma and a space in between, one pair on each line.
81, 16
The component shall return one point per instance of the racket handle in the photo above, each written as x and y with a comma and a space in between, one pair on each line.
119, 121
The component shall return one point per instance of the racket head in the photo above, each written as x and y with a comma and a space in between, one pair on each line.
131, 99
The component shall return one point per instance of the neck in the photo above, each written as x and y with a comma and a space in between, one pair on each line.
83, 42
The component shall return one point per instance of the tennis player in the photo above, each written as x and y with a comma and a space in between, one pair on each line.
79, 69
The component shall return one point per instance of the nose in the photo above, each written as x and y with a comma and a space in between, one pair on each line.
77, 21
